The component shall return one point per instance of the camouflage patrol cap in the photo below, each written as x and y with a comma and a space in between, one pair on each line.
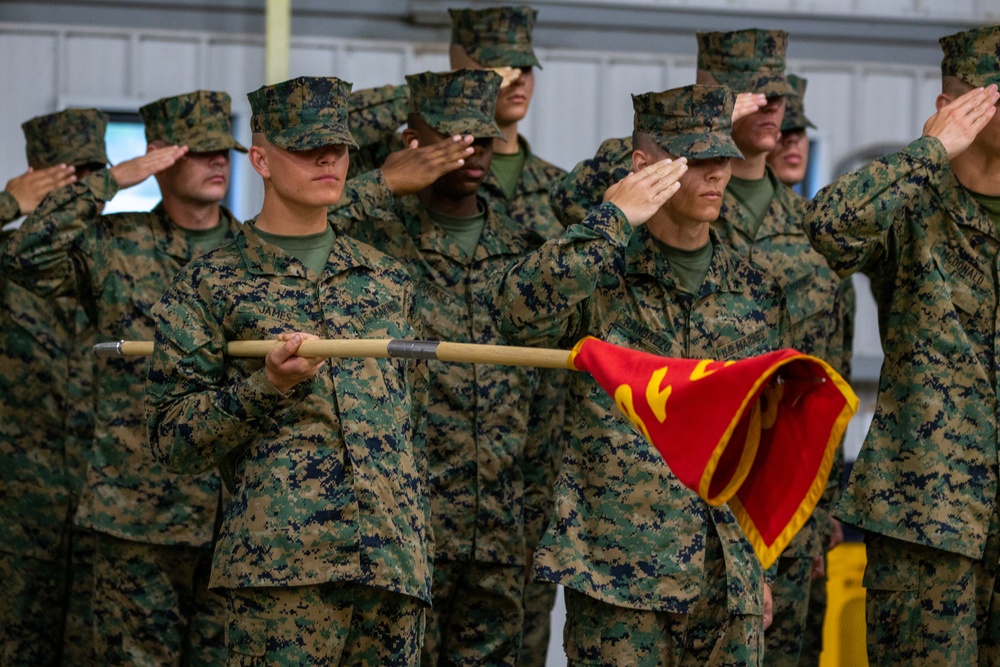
495, 36
748, 61
460, 102
695, 121
73, 137
198, 120
303, 113
795, 113
973, 56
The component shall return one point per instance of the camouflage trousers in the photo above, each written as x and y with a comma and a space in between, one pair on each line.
328, 624
539, 598
928, 607
477, 614
599, 633
790, 593
812, 637
45, 607
152, 605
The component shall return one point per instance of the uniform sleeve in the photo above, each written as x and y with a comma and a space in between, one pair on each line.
10, 210
543, 452
374, 118
365, 207
196, 416
41, 252
850, 222
583, 188
540, 298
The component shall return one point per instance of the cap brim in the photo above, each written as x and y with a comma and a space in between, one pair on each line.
701, 145
307, 137
506, 57
479, 128
212, 145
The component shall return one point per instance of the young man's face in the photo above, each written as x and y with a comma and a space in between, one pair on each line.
199, 178
790, 157
757, 133
311, 178
513, 101
464, 181
699, 198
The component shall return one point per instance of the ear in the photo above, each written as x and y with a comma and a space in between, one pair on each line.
409, 136
641, 159
943, 100
258, 159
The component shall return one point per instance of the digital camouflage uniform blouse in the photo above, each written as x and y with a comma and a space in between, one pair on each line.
625, 530
927, 472
328, 479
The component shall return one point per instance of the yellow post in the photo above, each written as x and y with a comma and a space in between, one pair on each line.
278, 20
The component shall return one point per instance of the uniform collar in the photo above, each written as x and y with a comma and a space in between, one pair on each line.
431, 237
644, 257
171, 239
961, 206
263, 258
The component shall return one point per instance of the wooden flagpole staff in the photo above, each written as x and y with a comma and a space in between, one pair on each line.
463, 353
759, 433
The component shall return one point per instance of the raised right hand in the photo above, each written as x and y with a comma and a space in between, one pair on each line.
641, 194
957, 123
30, 188
135, 171
412, 169
748, 103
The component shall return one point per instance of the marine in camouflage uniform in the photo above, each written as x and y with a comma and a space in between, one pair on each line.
153, 530
924, 487
653, 575
479, 415
46, 425
323, 550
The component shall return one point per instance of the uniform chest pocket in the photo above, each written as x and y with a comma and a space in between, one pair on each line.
738, 339
631, 333
964, 280
809, 294
444, 316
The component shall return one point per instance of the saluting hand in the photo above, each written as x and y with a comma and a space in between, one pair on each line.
509, 74
285, 368
957, 123
30, 188
135, 171
748, 103
414, 168
641, 194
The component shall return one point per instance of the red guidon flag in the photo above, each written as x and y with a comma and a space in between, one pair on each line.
759, 433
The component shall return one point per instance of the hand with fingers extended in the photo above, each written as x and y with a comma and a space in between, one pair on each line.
748, 103
957, 123
415, 167
30, 188
135, 171
509, 74
641, 194
285, 368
